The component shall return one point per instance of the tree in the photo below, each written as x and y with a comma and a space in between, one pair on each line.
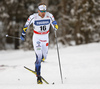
78, 21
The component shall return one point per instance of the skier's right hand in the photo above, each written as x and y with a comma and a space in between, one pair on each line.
23, 33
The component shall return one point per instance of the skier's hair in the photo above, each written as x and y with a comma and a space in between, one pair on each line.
41, 4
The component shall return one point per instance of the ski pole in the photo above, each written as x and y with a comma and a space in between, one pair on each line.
59, 57
13, 37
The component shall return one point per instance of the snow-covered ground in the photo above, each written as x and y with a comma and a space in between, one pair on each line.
80, 68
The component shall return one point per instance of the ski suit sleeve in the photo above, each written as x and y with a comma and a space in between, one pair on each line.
53, 22
27, 24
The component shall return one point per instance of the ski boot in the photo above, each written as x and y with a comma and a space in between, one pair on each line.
43, 59
39, 81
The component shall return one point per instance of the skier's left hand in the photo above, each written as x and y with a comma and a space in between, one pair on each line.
55, 25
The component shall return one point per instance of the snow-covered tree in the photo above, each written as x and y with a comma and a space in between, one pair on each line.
78, 20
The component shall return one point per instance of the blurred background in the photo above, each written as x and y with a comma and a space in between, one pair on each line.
78, 20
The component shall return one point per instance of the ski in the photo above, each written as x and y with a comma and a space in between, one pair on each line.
34, 72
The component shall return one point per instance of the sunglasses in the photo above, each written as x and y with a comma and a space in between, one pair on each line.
42, 11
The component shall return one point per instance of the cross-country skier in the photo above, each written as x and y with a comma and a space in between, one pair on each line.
41, 23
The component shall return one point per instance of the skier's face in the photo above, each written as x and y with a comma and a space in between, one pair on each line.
41, 13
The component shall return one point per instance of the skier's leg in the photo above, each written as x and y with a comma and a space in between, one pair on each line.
38, 65
45, 49
38, 51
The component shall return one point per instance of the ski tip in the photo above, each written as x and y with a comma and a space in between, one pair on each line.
24, 66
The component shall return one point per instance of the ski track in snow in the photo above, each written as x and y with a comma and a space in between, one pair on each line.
80, 68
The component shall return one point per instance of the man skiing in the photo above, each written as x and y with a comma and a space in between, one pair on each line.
41, 23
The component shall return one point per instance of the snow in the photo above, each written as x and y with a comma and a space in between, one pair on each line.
80, 68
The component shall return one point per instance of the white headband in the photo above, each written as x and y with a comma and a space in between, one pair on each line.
42, 7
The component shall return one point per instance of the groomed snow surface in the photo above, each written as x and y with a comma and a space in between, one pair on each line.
80, 68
